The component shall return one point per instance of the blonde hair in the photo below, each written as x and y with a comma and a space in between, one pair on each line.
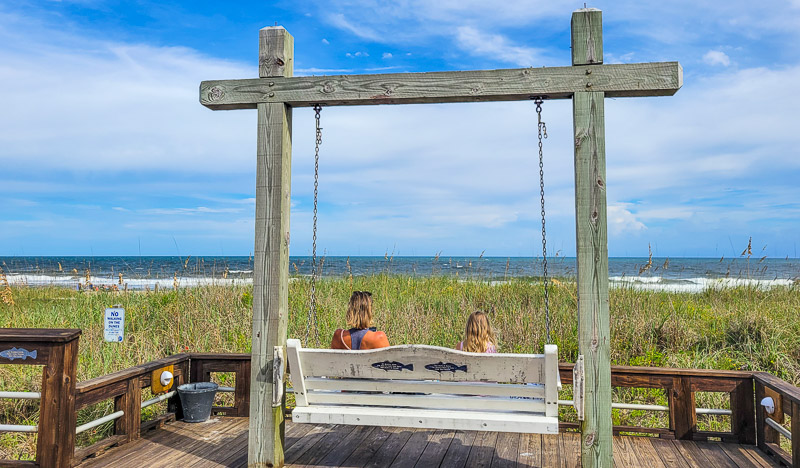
478, 333
359, 310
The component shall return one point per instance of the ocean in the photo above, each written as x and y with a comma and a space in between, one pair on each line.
662, 274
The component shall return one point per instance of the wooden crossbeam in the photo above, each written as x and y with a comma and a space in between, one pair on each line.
621, 80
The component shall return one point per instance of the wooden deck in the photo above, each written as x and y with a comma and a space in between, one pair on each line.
222, 442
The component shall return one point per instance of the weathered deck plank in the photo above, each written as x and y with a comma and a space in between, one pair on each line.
437, 447
223, 443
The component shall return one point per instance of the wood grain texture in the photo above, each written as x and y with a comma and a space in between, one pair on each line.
787, 390
437, 447
56, 438
660, 372
411, 451
592, 267
761, 415
222, 443
129, 402
483, 449
39, 335
587, 36
131, 372
619, 80
743, 417
271, 266
458, 451
682, 408
796, 434
591, 232
530, 451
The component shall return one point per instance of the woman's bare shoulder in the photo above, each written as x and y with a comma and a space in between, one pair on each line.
376, 339
337, 342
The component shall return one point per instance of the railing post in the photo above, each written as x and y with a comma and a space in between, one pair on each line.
796, 434
682, 407
174, 404
130, 402
241, 397
743, 423
57, 351
761, 416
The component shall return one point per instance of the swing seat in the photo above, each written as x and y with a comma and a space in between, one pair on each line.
426, 387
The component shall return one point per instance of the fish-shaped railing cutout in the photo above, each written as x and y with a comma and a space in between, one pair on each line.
392, 366
18, 353
446, 367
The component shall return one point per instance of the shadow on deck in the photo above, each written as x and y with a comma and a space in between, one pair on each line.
222, 442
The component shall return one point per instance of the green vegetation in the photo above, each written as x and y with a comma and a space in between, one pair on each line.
741, 328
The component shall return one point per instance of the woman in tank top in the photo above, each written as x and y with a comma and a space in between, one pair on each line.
361, 335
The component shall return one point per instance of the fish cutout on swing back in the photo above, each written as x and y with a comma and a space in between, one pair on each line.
446, 367
392, 366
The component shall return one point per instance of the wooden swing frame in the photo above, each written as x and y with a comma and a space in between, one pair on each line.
587, 82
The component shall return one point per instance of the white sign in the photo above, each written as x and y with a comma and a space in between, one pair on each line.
114, 324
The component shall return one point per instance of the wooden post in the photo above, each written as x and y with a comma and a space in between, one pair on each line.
130, 402
592, 243
682, 408
795, 434
743, 419
56, 440
761, 415
271, 268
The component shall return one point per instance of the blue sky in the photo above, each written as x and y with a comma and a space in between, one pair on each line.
105, 150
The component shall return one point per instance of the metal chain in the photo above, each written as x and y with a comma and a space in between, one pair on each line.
312, 310
543, 134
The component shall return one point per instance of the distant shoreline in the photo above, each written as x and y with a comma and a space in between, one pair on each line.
655, 274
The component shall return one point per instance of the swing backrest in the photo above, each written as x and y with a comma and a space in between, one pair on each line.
423, 378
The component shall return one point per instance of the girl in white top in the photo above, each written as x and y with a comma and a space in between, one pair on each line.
478, 335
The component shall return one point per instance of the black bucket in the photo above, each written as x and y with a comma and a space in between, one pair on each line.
196, 400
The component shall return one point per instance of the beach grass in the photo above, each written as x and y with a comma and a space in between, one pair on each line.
745, 328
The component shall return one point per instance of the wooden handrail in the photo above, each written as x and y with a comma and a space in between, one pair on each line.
786, 399
131, 372
203, 364
745, 388
680, 386
787, 390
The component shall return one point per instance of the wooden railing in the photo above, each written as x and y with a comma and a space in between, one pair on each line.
61, 398
771, 426
204, 364
125, 387
680, 386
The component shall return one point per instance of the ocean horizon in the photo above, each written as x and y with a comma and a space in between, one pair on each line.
689, 274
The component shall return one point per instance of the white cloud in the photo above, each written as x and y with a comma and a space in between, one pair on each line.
116, 107
716, 57
364, 32
387, 55
495, 46
447, 176
621, 220
189, 211
325, 41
